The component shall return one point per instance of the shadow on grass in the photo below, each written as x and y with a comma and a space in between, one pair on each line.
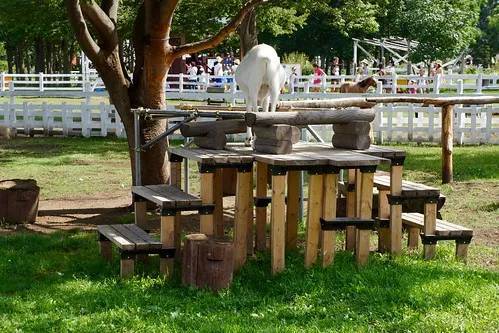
65, 277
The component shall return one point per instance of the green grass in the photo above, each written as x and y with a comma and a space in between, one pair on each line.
58, 282
71, 167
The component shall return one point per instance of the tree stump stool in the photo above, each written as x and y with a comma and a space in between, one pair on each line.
207, 262
19, 200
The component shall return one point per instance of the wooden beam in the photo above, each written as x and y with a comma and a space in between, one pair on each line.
278, 223
202, 128
327, 103
309, 118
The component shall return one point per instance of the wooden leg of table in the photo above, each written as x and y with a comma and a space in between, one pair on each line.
383, 213
261, 212
413, 238
358, 190
140, 208
396, 210
176, 174
250, 218
207, 197
351, 211
106, 250
278, 223
366, 205
329, 212
292, 209
218, 213
168, 240
315, 189
430, 224
244, 197
461, 251
126, 267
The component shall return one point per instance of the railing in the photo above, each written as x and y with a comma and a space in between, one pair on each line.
393, 123
207, 86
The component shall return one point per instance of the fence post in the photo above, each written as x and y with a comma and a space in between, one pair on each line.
323, 83
12, 97
436, 84
181, 83
292, 85
40, 81
87, 88
394, 82
459, 113
306, 87
379, 87
2, 81
479, 84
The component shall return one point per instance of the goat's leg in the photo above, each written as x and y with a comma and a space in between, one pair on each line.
275, 91
265, 103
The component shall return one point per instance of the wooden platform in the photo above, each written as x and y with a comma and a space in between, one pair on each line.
212, 157
129, 237
166, 196
409, 189
443, 228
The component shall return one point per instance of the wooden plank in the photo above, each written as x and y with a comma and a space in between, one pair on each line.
230, 126
176, 174
244, 196
315, 196
278, 132
383, 213
141, 239
212, 157
430, 221
261, 212
329, 212
278, 223
350, 236
292, 209
396, 210
366, 197
167, 241
116, 237
172, 193
206, 223
153, 196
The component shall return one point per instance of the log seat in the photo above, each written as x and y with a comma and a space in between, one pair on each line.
130, 240
443, 231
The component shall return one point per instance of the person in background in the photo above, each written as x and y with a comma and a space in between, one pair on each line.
318, 73
192, 72
293, 78
421, 80
234, 66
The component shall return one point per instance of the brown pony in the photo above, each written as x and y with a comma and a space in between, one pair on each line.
359, 87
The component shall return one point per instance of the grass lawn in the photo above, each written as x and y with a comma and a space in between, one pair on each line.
57, 282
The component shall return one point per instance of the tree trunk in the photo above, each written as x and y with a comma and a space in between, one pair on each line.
248, 33
39, 55
9, 49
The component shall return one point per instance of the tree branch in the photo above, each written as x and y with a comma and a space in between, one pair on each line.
87, 43
110, 7
102, 23
221, 35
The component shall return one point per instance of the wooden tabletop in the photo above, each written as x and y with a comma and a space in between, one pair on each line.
212, 157
313, 155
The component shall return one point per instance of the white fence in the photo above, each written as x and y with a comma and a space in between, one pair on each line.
180, 86
393, 123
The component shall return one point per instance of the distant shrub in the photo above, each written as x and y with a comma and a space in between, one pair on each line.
299, 58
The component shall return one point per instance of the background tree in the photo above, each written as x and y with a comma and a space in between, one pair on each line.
487, 45
95, 26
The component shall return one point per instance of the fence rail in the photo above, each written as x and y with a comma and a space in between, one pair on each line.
206, 86
393, 123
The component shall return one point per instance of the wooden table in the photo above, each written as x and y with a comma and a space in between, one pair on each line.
211, 163
323, 163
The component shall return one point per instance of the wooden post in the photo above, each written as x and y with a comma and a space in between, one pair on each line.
278, 223
261, 212
329, 212
396, 210
292, 209
140, 208
207, 197
127, 267
106, 250
366, 198
218, 213
383, 213
315, 190
413, 238
351, 211
447, 143
461, 251
190, 258
244, 204
176, 174
168, 241
430, 224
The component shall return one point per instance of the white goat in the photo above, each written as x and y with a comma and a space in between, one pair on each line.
261, 77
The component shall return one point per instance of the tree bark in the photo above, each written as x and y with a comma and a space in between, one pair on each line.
248, 33
39, 55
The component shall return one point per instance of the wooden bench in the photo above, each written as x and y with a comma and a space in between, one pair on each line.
440, 230
171, 201
131, 240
